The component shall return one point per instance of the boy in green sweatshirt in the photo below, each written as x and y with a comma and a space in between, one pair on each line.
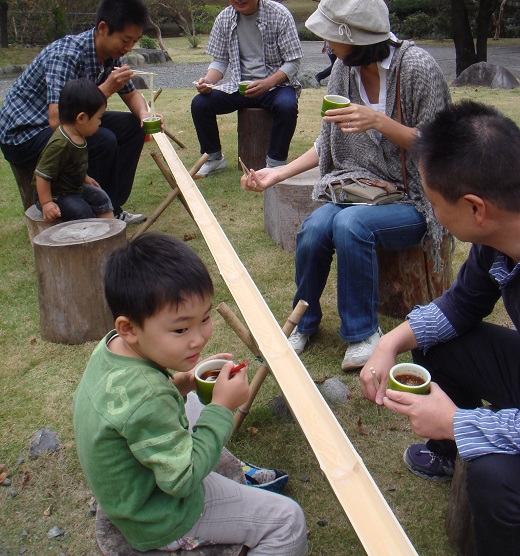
151, 475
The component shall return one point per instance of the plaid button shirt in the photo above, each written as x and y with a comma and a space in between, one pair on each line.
25, 110
279, 37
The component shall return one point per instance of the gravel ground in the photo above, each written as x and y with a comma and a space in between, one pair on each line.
171, 76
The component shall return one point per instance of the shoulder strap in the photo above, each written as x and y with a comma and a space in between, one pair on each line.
400, 120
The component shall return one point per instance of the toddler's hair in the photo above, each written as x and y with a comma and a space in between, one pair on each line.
79, 95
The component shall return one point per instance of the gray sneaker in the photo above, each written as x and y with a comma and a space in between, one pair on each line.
211, 167
358, 353
130, 218
298, 341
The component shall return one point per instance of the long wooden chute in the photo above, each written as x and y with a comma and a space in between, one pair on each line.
367, 510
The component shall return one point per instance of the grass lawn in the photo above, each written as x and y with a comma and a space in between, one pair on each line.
38, 379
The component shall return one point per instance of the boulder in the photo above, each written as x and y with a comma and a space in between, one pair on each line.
485, 74
308, 80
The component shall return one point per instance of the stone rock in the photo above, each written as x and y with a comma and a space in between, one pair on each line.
133, 59
153, 55
308, 81
43, 441
54, 532
279, 407
335, 390
6, 482
484, 74
139, 82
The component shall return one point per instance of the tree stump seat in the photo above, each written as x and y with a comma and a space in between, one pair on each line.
459, 522
36, 223
112, 543
406, 277
70, 259
254, 134
23, 176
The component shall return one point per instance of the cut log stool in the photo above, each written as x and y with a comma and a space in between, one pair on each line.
287, 205
406, 277
23, 176
112, 543
459, 522
70, 259
36, 223
254, 134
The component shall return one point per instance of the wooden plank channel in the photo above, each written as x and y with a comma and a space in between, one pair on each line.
376, 526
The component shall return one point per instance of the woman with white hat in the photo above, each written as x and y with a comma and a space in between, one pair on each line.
363, 140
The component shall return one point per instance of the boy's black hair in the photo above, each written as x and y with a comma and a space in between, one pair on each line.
79, 95
151, 272
364, 55
117, 14
471, 148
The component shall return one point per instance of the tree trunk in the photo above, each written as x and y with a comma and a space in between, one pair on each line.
497, 21
465, 54
4, 39
159, 34
486, 9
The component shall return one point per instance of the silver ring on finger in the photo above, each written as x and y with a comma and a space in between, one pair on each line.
348, 123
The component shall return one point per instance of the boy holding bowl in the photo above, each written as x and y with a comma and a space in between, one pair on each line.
150, 474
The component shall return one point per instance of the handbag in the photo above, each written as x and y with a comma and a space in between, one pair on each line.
365, 191
362, 191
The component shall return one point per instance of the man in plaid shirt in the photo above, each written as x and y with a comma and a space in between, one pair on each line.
29, 114
257, 41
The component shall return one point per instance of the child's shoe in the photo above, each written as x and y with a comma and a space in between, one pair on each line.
266, 479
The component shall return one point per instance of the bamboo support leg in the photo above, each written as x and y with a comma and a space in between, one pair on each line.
169, 178
248, 340
171, 196
157, 93
198, 165
173, 138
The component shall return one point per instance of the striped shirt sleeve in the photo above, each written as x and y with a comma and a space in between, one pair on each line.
481, 431
430, 326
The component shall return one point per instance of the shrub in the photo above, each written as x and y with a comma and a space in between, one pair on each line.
305, 35
206, 17
417, 25
147, 42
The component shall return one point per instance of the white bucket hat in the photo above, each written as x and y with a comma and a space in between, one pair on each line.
356, 22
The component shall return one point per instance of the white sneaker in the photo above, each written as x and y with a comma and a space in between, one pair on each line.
211, 167
298, 341
358, 353
130, 218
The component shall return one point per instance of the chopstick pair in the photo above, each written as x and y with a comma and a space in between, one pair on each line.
244, 167
139, 72
378, 407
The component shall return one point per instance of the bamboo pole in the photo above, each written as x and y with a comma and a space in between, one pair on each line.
173, 138
247, 338
368, 512
171, 196
170, 179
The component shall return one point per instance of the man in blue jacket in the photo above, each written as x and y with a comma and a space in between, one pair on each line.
469, 158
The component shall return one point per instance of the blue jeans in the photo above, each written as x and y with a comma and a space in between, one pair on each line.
353, 232
281, 101
89, 203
